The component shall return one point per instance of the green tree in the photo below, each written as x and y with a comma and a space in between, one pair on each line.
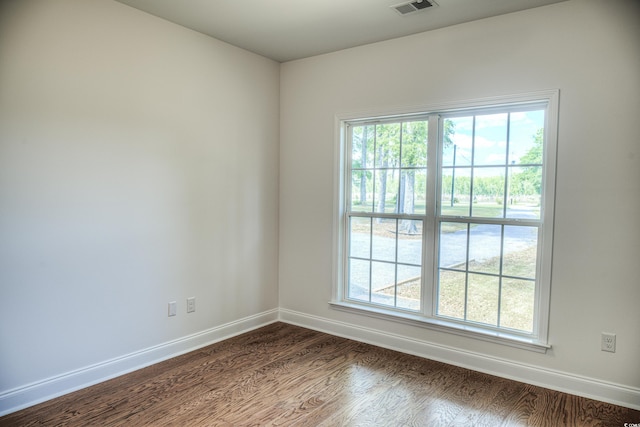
529, 181
361, 161
534, 155
387, 149
414, 155
393, 148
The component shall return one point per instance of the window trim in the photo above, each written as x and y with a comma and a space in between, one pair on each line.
538, 340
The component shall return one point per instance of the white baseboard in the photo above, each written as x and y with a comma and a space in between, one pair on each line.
560, 381
32, 394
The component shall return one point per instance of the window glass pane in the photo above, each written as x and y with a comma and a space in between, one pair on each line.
525, 137
525, 186
453, 245
420, 192
490, 142
458, 202
482, 299
451, 294
447, 192
414, 144
520, 251
409, 181
484, 248
362, 147
409, 287
359, 279
457, 143
516, 309
410, 242
361, 191
360, 237
488, 192
384, 239
387, 146
383, 279
386, 190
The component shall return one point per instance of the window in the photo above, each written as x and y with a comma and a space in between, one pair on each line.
446, 218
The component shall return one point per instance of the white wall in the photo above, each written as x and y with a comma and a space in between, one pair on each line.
138, 165
588, 49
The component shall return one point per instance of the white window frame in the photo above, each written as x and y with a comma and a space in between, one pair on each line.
536, 341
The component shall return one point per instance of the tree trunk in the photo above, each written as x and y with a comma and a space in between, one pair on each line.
382, 185
363, 179
408, 200
400, 201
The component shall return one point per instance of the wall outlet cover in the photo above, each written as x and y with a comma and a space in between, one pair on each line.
608, 342
191, 304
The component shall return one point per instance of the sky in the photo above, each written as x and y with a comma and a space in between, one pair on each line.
491, 138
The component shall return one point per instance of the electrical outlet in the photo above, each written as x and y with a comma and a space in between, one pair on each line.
173, 308
608, 342
191, 304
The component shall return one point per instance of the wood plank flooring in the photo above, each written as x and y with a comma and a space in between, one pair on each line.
290, 376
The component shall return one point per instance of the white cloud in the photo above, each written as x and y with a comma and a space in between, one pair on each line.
465, 141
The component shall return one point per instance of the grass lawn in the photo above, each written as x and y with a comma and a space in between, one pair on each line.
483, 292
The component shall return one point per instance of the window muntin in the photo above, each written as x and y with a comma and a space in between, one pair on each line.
487, 271
386, 215
467, 247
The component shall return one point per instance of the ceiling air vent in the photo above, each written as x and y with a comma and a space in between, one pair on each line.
414, 6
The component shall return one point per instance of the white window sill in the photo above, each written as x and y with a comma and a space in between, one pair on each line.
469, 331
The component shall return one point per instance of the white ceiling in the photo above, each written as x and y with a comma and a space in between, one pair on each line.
284, 30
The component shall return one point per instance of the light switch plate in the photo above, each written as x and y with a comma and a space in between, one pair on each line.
173, 308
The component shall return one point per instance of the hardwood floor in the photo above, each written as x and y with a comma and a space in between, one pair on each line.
287, 375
